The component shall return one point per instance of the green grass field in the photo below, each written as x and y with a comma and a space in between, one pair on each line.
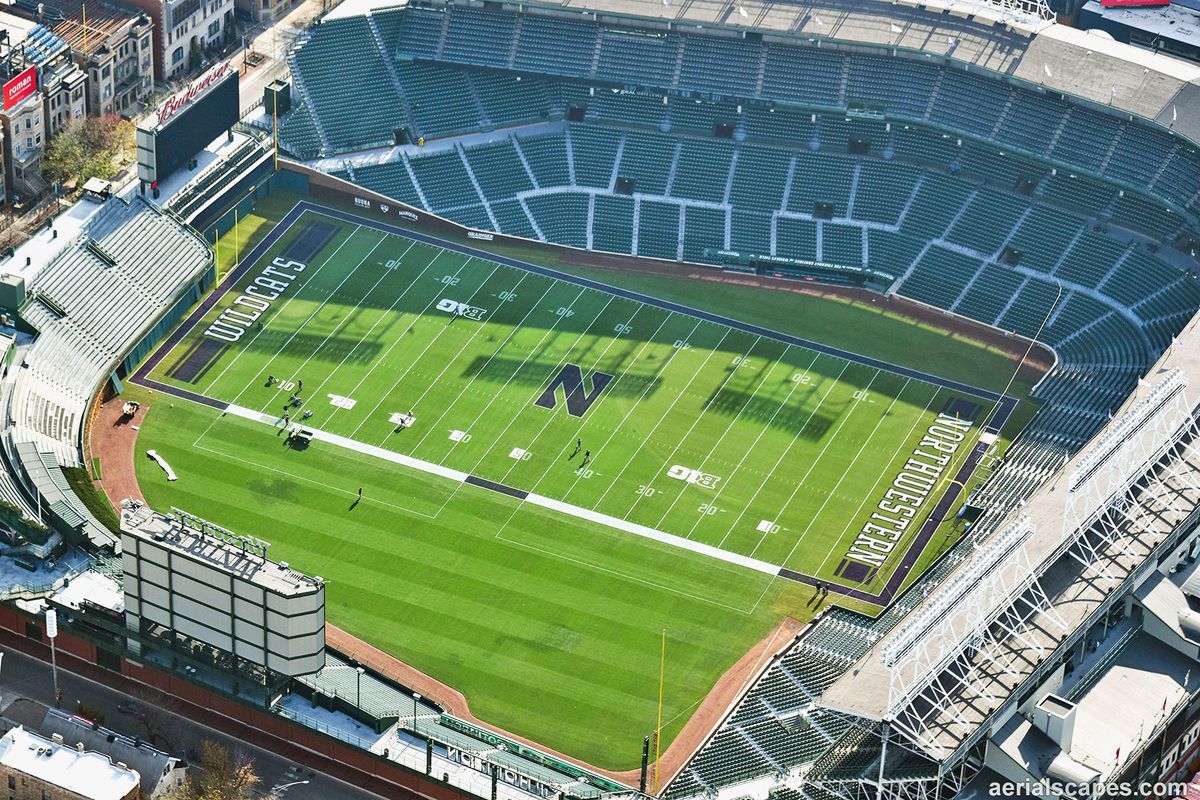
548, 622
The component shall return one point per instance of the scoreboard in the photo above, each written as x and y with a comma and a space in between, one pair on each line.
185, 124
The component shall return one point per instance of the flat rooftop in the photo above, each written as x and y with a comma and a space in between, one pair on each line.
144, 523
87, 774
1177, 23
864, 690
1140, 687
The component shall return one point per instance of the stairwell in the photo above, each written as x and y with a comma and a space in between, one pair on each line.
441, 42
326, 146
1058, 132
516, 143
390, 64
1112, 148
933, 96
462, 155
1003, 113
412, 176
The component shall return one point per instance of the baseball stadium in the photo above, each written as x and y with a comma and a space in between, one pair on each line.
705, 399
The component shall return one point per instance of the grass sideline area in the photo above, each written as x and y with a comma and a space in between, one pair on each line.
549, 624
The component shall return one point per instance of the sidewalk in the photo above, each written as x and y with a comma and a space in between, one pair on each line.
270, 42
170, 724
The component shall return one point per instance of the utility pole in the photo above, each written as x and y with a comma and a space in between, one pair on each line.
52, 632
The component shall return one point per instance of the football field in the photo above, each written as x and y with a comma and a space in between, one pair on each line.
637, 441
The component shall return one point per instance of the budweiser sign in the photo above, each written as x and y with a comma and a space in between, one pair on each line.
197, 88
20, 87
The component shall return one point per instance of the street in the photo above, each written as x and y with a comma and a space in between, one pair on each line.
23, 676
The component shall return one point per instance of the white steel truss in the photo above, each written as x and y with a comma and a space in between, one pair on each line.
877, 782
1125, 468
1023, 9
952, 640
952, 637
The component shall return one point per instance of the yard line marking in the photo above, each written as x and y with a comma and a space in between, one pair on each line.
675, 400
583, 422
303, 324
460, 477
449, 362
386, 315
905, 444
833, 384
678, 308
241, 351
424, 350
754, 444
796, 384
520, 366
769, 368
532, 350
649, 385
511, 333
370, 371
341, 325
549, 418
670, 459
841, 424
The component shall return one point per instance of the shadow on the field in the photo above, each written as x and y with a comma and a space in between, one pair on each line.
274, 488
198, 359
807, 413
633, 381
747, 405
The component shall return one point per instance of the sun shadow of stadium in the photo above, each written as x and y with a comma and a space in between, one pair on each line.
204, 353
632, 380
803, 414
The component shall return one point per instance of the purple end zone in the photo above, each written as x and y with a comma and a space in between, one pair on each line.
885, 596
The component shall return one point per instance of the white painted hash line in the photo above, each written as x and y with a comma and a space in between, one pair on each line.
537, 500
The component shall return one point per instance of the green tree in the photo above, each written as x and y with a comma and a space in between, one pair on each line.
93, 147
219, 775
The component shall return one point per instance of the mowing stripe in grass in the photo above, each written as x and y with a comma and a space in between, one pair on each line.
752, 448
311, 278
533, 499
682, 390
416, 361
813, 465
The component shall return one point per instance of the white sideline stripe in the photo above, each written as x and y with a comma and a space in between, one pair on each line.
536, 499
653, 533
351, 444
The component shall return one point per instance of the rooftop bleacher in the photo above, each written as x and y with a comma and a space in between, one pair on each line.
99, 309
1014, 206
